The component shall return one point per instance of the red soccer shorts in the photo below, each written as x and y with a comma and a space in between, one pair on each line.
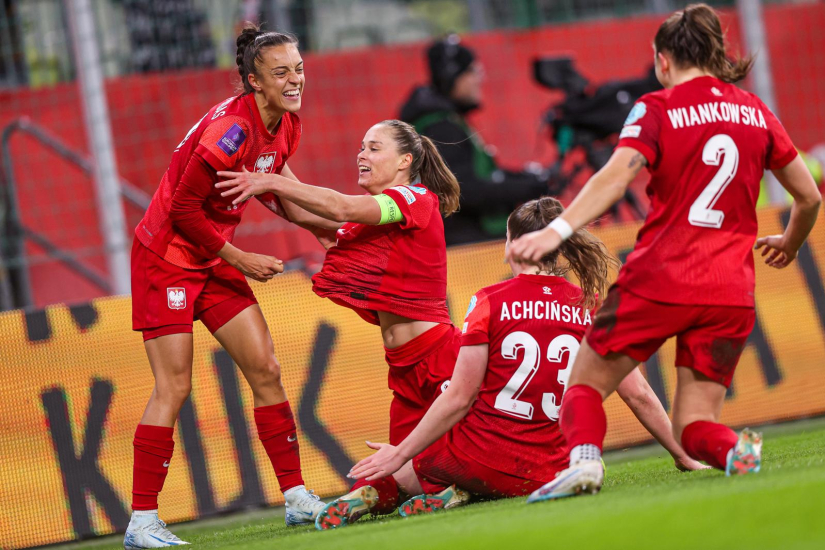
709, 339
167, 299
419, 371
442, 464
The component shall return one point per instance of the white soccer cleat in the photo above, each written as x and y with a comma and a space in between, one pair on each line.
585, 477
146, 530
302, 506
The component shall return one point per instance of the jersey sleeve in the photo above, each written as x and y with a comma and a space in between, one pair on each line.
272, 202
415, 203
224, 141
641, 128
781, 150
476, 329
186, 210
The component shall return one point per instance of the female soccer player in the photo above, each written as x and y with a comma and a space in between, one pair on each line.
691, 275
184, 268
500, 412
389, 263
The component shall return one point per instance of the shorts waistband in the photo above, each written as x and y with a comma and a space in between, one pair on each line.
419, 347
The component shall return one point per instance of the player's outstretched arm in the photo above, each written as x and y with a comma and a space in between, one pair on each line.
304, 218
639, 396
450, 407
602, 190
781, 250
325, 203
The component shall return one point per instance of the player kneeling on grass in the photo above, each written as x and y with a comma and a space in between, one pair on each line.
494, 430
691, 274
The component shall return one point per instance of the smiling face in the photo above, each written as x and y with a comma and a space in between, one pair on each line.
380, 164
280, 77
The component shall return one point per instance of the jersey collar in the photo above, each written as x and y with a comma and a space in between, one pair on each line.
542, 279
249, 99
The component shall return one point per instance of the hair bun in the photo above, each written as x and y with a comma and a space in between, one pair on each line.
247, 36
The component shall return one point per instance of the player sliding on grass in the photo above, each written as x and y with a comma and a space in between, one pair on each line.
389, 265
691, 275
500, 412
184, 267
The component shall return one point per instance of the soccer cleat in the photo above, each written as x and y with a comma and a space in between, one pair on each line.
746, 455
148, 531
302, 506
427, 504
347, 509
585, 477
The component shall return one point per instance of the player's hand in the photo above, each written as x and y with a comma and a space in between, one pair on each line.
778, 253
258, 266
687, 464
385, 462
532, 247
244, 184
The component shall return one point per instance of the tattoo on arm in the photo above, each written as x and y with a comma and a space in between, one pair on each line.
637, 162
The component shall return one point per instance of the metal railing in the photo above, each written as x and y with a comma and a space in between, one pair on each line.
15, 287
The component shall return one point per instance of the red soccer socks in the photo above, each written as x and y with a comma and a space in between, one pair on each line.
709, 441
276, 430
583, 421
153, 451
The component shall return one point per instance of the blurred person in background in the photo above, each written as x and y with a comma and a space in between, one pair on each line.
439, 111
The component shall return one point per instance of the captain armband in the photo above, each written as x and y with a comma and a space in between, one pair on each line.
390, 213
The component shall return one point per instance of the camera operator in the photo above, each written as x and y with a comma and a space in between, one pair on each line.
438, 111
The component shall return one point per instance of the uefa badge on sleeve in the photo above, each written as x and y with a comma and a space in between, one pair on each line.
176, 298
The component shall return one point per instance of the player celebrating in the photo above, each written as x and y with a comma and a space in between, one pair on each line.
520, 339
184, 268
691, 274
389, 265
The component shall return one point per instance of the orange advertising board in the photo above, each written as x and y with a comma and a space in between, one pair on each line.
76, 379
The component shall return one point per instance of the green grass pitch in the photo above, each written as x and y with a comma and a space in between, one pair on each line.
645, 503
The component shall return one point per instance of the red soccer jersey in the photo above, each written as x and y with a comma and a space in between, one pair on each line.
707, 144
533, 327
398, 268
231, 135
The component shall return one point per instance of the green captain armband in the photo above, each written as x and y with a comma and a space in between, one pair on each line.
390, 213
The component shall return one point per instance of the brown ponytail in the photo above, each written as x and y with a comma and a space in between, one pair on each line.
427, 165
694, 38
251, 43
586, 255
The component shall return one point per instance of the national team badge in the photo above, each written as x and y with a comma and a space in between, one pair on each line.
266, 162
176, 298
636, 113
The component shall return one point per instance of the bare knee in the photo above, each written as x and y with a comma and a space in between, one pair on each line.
173, 391
266, 372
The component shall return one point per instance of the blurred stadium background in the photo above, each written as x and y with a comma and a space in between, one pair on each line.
96, 94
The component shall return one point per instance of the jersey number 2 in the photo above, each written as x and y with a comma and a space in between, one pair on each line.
507, 399
702, 213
